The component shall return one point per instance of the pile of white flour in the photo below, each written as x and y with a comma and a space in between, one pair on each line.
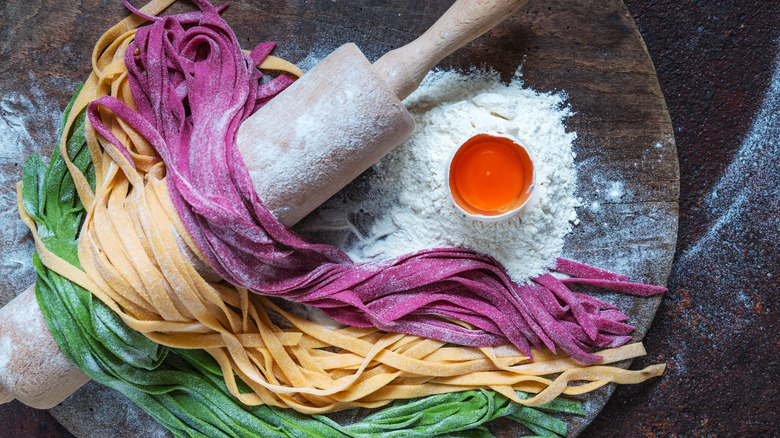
402, 205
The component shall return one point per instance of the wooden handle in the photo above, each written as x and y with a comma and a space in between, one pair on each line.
33, 370
404, 68
6, 396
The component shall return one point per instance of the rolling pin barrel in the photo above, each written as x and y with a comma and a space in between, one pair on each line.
328, 127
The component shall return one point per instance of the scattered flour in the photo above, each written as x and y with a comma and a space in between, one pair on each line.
615, 191
21, 116
7, 349
403, 205
743, 205
752, 180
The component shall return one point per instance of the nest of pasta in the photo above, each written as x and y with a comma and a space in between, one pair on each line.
123, 228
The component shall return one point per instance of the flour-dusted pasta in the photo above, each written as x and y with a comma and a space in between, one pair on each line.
130, 259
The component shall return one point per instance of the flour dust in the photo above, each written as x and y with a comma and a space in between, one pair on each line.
20, 115
401, 205
727, 260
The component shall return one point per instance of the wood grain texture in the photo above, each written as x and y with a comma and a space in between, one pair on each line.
591, 50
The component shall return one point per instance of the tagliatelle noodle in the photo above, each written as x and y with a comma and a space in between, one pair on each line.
132, 263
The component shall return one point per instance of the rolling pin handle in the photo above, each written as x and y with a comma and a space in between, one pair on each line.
404, 68
5, 396
34, 370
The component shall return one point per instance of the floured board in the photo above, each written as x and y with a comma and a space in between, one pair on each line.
590, 49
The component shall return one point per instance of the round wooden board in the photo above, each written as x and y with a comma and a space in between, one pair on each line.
628, 174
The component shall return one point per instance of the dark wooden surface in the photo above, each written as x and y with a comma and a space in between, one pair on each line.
714, 65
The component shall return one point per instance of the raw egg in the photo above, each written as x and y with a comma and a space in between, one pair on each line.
490, 176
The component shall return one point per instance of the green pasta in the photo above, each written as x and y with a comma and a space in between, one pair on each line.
184, 390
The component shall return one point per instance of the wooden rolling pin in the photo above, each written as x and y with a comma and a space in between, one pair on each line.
328, 127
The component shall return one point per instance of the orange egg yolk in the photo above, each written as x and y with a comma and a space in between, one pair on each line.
488, 175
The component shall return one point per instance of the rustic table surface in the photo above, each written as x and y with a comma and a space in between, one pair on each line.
717, 329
